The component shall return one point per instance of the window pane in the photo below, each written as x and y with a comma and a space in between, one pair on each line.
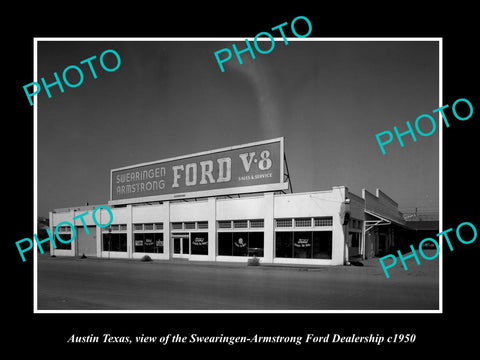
106, 242
255, 243
159, 226
177, 226
199, 244
118, 242
202, 225
224, 243
176, 245
158, 242
240, 224
302, 246
112, 242
284, 244
324, 221
284, 223
138, 242
137, 227
122, 238
190, 225
65, 237
186, 245
149, 242
322, 244
224, 224
256, 224
306, 222
240, 244
115, 242
148, 226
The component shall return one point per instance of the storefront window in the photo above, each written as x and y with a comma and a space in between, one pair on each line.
64, 237
148, 242
303, 244
322, 244
115, 242
255, 244
224, 243
199, 243
240, 243
284, 244
148, 238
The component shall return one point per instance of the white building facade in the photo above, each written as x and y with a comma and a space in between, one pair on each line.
304, 228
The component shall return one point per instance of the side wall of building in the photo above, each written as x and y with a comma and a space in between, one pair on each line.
383, 238
356, 226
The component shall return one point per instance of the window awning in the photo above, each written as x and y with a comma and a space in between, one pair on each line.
380, 220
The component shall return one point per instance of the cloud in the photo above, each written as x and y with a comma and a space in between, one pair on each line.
262, 81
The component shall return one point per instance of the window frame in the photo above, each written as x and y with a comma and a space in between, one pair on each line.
230, 236
156, 229
313, 243
119, 230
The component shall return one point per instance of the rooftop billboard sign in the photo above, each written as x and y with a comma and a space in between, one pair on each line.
248, 168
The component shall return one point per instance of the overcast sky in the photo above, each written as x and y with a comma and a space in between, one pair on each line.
328, 99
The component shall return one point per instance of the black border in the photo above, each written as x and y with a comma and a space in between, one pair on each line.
454, 329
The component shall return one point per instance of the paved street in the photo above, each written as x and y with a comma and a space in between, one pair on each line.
97, 284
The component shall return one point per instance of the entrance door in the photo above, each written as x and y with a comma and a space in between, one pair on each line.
354, 239
181, 245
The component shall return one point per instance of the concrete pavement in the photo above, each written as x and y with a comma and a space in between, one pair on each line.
99, 284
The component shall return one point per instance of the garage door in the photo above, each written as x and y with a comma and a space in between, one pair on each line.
87, 243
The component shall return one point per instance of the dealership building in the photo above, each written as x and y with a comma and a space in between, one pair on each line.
228, 204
